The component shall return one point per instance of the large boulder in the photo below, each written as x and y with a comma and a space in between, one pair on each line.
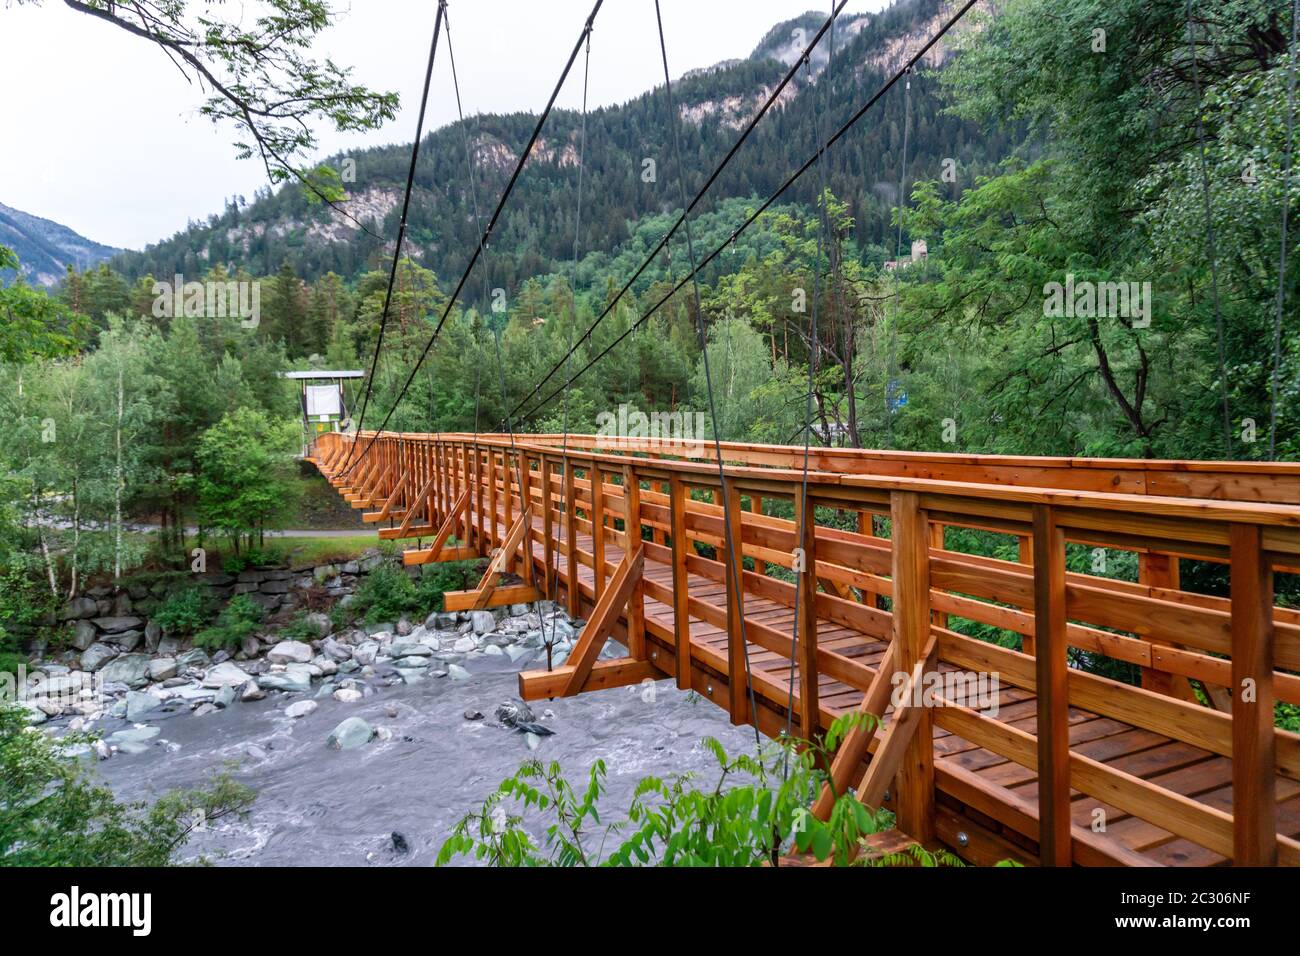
225, 674
96, 656
162, 668
79, 608
290, 652
407, 649
116, 625
483, 621
287, 680
83, 635
353, 732
335, 650
139, 703
126, 640
300, 708
129, 669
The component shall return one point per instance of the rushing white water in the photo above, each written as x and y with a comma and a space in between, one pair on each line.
317, 806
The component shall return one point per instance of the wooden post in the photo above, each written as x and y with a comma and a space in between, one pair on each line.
598, 527
937, 543
756, 507
806, 525
527, 549
1027, 557
1254, 743
632, 535
548, 529
572, 593
910, 552
681, 613
866, 526
734, 577
1053, 690
492, 497
1159, 570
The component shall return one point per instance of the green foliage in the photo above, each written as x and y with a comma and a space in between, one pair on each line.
387, 592
755, 812
53, 814
243, 480
183, 611
238, 619
26, 606
299, 628
32, 324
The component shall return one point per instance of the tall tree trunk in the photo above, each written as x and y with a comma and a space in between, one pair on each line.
118, 482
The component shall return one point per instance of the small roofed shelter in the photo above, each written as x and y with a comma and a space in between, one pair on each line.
324, 401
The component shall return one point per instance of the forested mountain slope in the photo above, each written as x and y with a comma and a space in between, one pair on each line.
536, 233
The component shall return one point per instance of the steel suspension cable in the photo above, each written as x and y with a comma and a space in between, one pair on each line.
401, 225
898, 258
689, 207
734, 573
492, 222
806, 512
767, 203
553, 591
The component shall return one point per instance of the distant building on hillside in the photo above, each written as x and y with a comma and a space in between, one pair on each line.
919, 253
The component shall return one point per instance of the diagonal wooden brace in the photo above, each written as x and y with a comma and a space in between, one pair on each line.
370, 517
617, 591
479, 598
434, 552
898, 734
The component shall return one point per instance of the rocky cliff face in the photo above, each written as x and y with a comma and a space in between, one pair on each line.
45, 249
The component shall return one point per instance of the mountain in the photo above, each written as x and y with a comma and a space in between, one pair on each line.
536, 233
45, 249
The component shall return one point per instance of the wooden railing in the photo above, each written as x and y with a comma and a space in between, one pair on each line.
531, 501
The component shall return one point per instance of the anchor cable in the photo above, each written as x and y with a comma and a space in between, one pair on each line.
401, 225
734, 547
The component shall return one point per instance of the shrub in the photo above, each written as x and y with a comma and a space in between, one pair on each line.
387, 592
52, 815
237, 620
184, 611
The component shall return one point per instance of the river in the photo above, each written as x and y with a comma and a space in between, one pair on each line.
321, 807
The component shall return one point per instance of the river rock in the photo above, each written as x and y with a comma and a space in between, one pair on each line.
482, 621
366, 653
300, 708
250, 646
225, 696
163, 669
252, 691
225, 674
353, 732
290, 652
133, 740
456, 672
96, 656
335, 649
464, 645
492, 650
347, 695
286, 680
130, 669
139, 703
405, 649
195, 657
152, 635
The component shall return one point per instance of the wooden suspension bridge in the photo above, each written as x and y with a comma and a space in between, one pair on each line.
1060, 767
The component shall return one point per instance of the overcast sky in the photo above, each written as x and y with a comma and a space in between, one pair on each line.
103, 133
